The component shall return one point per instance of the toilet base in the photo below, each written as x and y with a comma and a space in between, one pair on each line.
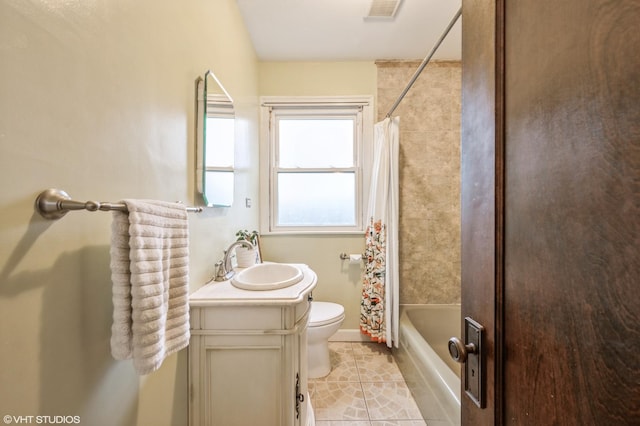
319, 359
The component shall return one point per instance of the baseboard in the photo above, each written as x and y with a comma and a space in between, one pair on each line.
349, 335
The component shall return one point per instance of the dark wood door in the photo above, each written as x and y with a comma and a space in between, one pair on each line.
551, 208
480, 194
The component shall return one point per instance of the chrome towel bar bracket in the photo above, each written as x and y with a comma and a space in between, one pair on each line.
54, 203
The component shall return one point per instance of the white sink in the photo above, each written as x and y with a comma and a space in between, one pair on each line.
267, 276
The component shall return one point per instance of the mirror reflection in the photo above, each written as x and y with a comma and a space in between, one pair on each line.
215, 147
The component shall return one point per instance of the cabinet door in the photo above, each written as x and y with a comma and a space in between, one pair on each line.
241, 380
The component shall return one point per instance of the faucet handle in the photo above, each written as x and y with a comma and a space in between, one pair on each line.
220, 271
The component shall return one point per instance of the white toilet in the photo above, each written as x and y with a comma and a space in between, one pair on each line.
324, 320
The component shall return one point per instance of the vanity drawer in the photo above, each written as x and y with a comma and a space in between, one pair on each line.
237, 318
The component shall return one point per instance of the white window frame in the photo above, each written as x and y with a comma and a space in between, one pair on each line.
270, 106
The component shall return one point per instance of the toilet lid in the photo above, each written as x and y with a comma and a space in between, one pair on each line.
323, 313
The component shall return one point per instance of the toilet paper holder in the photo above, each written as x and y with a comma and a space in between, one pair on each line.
351, 257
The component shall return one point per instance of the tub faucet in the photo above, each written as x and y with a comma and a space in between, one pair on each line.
224, 271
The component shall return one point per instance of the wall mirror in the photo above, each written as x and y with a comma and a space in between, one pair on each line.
215, 142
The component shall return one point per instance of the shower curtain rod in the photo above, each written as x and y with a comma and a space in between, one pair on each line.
424, 63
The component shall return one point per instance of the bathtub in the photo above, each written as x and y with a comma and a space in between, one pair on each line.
423, 357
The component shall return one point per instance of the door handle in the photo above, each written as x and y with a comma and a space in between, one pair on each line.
459, 351
471, 355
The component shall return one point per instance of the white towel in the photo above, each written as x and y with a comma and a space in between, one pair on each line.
150, 275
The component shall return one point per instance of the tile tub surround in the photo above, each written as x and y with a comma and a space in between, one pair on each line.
365, 388
429, 177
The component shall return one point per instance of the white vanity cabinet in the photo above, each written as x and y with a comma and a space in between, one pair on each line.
247, 355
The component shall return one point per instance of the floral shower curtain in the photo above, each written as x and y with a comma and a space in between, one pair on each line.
380, 293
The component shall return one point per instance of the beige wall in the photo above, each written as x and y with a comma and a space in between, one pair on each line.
429, 177
338, 281
317, 78
97, 98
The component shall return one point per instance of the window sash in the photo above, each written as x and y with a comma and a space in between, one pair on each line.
319, 204
352, 118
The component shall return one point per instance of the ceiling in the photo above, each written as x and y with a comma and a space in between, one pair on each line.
337, 30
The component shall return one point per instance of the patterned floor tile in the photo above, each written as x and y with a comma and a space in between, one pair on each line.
365, 383
371, 349
378, 368
338, 401
343, 364
390, 401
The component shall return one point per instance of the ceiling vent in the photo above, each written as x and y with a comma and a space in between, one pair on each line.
383, 8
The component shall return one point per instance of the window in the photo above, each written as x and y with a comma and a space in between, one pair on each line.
313, 164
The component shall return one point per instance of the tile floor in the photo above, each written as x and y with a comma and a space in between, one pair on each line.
364, 388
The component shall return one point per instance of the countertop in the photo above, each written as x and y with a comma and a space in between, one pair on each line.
223, 293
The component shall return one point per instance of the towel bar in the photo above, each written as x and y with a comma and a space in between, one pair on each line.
55, 203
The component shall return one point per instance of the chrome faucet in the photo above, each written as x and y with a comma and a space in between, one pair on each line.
224, 271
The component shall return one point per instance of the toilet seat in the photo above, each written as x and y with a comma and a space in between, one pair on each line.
323, 313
